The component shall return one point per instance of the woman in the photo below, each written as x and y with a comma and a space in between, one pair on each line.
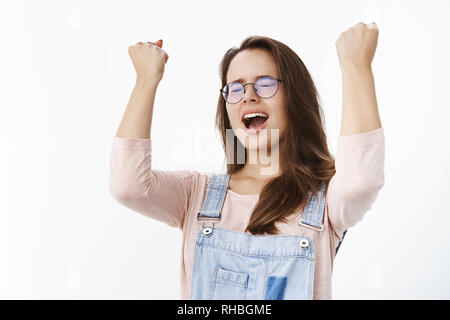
265, 229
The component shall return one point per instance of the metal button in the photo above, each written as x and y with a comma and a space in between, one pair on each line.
207, 231
304, 243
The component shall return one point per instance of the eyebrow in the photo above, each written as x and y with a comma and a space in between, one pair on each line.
263, 75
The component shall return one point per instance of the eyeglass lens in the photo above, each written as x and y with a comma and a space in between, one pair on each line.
265, 87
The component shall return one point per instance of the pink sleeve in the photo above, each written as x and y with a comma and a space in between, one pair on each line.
359, 177
157, 194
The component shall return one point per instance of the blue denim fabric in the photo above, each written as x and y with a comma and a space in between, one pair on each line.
239, 266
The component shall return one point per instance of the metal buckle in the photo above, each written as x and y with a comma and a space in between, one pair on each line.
311, 227
208, 229
199, 218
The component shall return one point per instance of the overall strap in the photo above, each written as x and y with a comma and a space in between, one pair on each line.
313, 212
215, 196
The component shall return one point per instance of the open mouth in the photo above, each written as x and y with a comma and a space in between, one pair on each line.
255, 121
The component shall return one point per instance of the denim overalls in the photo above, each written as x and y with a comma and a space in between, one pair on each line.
239, 266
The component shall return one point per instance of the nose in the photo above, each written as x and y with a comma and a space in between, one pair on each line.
249, 92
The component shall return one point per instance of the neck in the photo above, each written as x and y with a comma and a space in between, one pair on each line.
262, 164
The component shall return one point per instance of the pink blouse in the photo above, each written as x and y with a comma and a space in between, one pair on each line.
175, 197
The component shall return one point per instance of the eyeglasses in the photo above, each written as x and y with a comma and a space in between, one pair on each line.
265, 87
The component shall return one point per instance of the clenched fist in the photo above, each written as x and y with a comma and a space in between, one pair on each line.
149, 61
356, 46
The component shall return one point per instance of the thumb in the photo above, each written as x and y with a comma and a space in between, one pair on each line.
159, 44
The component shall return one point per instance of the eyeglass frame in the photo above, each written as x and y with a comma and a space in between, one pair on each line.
253, 83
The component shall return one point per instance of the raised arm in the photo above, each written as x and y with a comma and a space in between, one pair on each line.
356, 48
149, 61
361, 149
137, 119
157, 194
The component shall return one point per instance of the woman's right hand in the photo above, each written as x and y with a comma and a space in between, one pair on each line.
149, 61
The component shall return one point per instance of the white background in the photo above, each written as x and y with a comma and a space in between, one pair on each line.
65, 80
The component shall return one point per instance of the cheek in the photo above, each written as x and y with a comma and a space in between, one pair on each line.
281, 122
284, 122
233, 116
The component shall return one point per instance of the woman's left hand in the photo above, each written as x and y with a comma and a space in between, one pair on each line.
356, 46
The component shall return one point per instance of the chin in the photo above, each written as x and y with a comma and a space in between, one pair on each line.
255, 142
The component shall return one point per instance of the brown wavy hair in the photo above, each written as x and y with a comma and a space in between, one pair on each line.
305, 160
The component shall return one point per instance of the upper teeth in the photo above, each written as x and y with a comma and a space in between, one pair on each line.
251, 115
